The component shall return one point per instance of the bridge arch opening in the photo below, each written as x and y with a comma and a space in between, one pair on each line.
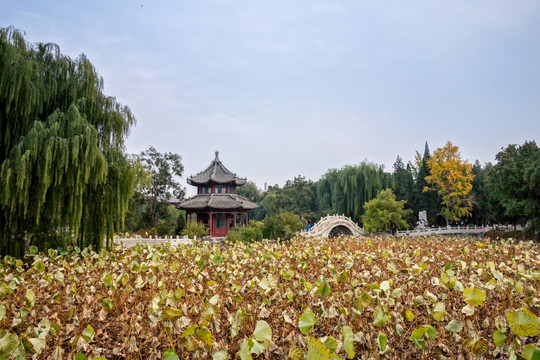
339, 230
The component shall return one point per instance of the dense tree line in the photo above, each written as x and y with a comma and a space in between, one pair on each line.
449, 188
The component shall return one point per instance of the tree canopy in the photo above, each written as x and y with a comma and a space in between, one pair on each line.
515, 181
63, 172
163, 169
345, 191
451, 176
384, 213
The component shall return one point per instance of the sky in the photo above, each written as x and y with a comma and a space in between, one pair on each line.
284, 88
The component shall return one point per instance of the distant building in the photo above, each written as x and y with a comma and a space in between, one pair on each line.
216, 204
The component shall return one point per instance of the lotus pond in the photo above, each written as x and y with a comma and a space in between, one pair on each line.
366, 298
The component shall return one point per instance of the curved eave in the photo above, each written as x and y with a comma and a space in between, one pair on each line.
218, 202
201, 181
216, 173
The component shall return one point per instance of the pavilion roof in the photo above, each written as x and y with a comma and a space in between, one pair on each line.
218, 201
216, 172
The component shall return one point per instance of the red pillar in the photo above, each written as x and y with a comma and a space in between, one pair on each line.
234, 214
211, 224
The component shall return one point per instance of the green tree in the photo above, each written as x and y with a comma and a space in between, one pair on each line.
451, 177
251, 192
63, 172
163, 169
425, 200
515, 181
283, 226
404, 187
384, 213
297, 196
482, 204
345, 191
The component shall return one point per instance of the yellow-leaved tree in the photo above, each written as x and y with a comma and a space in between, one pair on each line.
451, 177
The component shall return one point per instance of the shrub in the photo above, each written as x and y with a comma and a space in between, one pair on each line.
251, 233
283, 226
162, 229
195, 228
504, 234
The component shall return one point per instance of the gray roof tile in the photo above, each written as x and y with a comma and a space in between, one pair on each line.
218, 201
216, 173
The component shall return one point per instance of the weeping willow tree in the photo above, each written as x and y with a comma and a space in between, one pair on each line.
64, 176
345, 190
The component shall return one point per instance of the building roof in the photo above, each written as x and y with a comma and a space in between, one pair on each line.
218, 201
216, 173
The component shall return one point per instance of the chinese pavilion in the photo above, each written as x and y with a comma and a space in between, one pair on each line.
216, 204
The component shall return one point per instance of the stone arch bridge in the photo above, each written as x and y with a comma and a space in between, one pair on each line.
333, 225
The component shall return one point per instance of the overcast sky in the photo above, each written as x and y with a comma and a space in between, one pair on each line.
288, 87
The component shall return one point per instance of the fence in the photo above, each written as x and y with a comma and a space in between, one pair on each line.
155, 240
449, 230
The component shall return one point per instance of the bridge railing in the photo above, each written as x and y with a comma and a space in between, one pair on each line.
446, 230
321, 226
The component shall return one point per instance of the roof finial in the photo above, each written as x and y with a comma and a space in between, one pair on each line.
217, 155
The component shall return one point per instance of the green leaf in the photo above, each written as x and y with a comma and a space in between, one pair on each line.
245, 350
4, 290
217, 259
474, 296
382, 340
499, 338
202, 333
30, 298
323, 290
331, 343
221, 355
306, 321
107, 303
381, 317
268, 282
107, 279
348, 338
418, 333
295, 353
88, 333
2, 311
438, 311
37, 344
409, 315
430, 331
263, 332
39, 266
170, 354
454, 326
257, 347
169, 313
8, 344
80, 356
426, 329
523, 323
531, 352
318, 351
